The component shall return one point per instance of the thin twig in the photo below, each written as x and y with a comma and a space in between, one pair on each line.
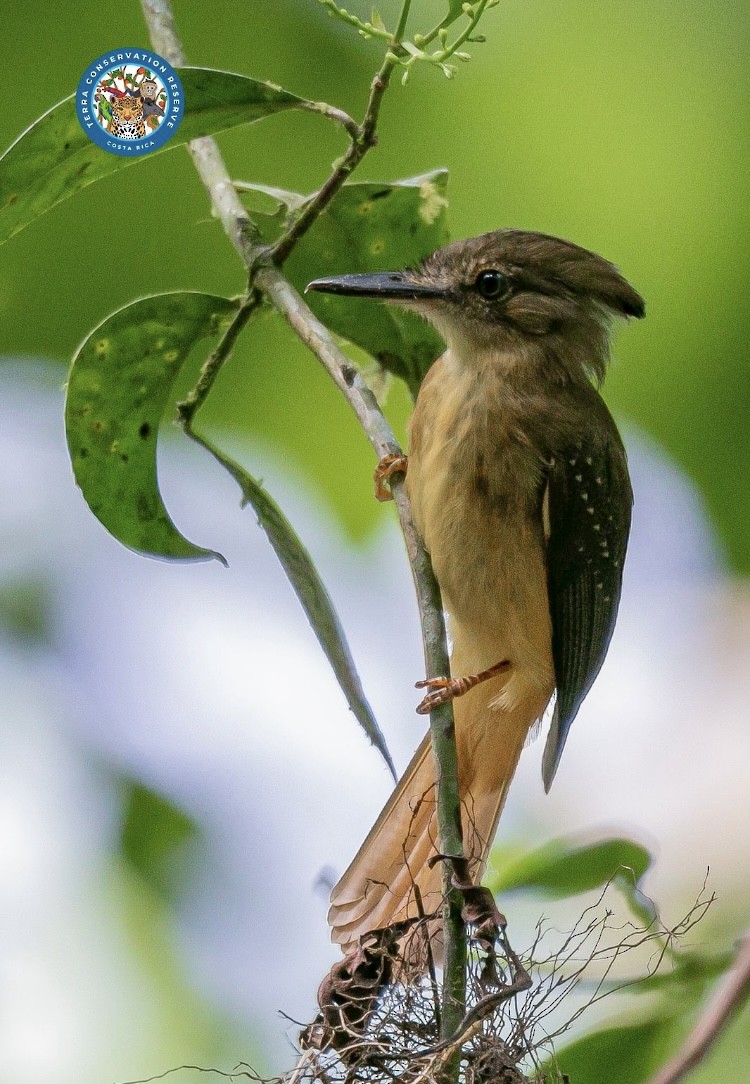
423, 40
333, 113
430, 958
474, 18
301, 1067
213, 363
722, 1009
366, 28
246, 239
402, 21
362, 140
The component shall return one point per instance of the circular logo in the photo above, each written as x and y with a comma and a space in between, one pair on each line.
130, 101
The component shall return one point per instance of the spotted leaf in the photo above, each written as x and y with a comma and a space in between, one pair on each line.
374, 227
54, 158
119, 386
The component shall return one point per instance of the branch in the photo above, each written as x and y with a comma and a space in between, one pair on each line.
257, 257
450, 50
338, 115
362, 139
262, 266
213, 363
724, 1006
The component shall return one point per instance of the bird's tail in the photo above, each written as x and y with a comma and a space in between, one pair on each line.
378, 889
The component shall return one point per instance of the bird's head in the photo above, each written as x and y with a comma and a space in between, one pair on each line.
511, 289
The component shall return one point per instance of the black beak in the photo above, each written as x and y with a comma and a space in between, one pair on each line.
386, 285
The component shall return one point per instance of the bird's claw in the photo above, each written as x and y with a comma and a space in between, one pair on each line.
448, 688
444, 689
386, 468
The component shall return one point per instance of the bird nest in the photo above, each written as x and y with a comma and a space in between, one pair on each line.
381, 1009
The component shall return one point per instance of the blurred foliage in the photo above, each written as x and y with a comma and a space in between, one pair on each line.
671, 980
621, 126
155, 838
564, 868
163, 1016
627, 1054
24, 609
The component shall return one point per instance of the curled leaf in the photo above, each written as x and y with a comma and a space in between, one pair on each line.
119, 386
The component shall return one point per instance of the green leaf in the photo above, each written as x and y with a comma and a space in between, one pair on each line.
311, 592
282, 200
154, 839
54, 158
619, 1055
374, 227
561, 868
119, 386
25, 608
686, 977
377, 20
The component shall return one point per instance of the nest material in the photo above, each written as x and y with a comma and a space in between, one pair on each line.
380, 1009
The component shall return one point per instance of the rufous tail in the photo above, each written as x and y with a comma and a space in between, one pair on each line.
377, 890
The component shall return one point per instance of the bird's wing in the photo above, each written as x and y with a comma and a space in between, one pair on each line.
588, 502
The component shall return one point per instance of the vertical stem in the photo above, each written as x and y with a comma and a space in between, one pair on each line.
160, 23
443, 738
401, 28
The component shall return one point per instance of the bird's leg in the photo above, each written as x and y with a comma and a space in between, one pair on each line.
448, 688
388, 465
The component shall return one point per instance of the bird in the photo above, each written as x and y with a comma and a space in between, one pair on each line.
518, 483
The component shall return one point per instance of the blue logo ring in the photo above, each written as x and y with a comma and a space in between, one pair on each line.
130, 102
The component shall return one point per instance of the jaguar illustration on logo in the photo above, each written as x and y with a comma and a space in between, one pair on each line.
130, 101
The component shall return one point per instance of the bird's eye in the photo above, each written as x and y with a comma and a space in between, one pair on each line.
491, 284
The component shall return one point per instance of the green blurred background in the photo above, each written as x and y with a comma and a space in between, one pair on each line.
620, 125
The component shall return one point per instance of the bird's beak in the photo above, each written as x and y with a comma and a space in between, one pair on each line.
385, 285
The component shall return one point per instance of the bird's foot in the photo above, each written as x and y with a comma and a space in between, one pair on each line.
386, 468
448, 688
